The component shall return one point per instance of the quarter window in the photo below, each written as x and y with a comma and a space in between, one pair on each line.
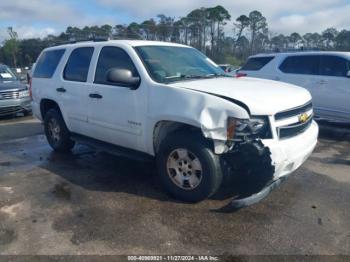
47, 64
256, 63
303, 65
112, 57
334, 66
77, 67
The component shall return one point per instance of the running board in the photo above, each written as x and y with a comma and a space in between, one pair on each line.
101, 146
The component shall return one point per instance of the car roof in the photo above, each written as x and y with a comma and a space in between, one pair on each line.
297, 53
132, 43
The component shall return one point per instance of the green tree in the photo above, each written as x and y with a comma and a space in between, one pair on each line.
11, 47
120, 31
242, 22
257, 24
197, 22
134, 31
329, 35
164, 27
149, 28
342, 41
218, 15
294, 39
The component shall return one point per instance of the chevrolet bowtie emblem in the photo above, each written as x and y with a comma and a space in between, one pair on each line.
303, 118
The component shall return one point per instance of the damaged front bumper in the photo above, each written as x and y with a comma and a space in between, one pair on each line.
277, 160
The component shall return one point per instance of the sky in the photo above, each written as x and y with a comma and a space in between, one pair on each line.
37, 18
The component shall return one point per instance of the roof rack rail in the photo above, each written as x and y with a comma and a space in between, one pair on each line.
89, 39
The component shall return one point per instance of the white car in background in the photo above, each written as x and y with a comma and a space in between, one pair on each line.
325, 74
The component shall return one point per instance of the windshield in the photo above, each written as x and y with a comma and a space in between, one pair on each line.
168, 64
6, 74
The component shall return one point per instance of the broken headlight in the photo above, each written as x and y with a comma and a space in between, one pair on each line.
242, 129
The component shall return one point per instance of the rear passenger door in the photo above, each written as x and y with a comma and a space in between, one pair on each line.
116, 113
303, 70
334, 85
74, 88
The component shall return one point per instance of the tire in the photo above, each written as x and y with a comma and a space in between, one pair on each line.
179, 171
56, 131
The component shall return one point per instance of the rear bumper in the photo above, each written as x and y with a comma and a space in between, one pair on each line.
12, 106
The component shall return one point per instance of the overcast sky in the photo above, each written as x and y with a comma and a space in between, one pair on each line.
37, 18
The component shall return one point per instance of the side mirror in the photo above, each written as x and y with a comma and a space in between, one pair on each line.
123, 77
348, 74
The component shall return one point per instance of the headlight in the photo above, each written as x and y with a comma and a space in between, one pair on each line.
24, 93
255, 126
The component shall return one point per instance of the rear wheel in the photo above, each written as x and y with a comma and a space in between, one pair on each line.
187, 167
56, 131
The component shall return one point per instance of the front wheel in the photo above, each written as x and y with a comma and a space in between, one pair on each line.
56, 131
187, 167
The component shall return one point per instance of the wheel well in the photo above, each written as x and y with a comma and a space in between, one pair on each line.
164, 128
46, 105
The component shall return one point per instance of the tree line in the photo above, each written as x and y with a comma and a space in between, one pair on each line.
203, 28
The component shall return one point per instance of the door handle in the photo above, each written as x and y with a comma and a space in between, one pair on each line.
61, 90
97, 96
322, 82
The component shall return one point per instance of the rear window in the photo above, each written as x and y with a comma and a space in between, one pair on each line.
47, 64
334, 66
303, 65
77, 67
256, 63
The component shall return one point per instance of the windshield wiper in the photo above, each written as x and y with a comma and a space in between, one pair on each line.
217, 75
182, 77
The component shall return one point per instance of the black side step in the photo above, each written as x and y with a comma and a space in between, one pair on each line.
101, 146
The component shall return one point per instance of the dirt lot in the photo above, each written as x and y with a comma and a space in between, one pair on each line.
87, 203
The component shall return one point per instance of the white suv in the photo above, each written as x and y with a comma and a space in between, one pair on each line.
169, 102
325, 74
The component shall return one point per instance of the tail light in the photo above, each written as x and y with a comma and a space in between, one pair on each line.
241, 75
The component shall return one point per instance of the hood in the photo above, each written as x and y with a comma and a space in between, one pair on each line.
12, 85
263, 97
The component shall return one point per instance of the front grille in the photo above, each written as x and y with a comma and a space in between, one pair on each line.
293, 112
294, 130
4, 95
292, 122
10, 110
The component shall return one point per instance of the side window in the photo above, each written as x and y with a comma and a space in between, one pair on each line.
303, 65
256, 63
47, 64
334, 66
112, 57
77, 67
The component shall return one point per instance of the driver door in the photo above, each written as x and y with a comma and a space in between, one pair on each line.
116, 113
